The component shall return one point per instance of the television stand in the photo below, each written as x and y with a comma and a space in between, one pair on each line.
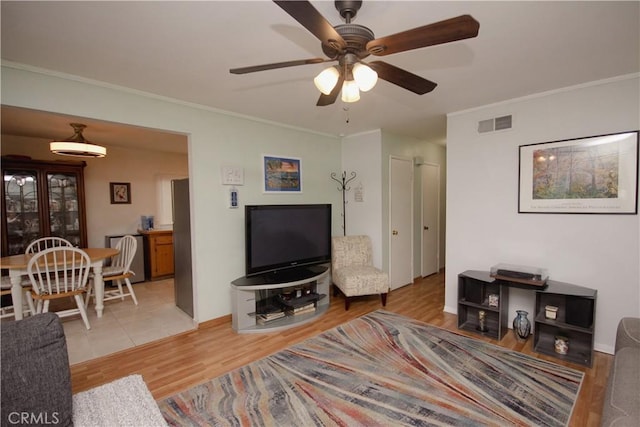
273, 302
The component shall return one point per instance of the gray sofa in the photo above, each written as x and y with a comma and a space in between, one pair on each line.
36, 383
622, 398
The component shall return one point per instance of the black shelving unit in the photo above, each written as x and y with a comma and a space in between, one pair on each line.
575, 317
474, 289
575, 320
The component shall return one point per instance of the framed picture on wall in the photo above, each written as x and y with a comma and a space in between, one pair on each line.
591, 175
281, 174
120, 192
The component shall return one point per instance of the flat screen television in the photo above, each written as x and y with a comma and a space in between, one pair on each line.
284, 237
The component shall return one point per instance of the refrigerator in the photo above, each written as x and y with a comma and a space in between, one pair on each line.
137, 265
182, 245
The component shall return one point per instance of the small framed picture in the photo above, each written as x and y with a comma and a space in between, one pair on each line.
120, 192
494, 300
281, 174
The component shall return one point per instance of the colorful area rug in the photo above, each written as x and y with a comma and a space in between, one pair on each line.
383, 369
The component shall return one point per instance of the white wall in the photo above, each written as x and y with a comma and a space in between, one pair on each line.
215, 138
484, 227
141, 168
361, 154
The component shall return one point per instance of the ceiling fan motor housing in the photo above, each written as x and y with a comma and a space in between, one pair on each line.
355, 36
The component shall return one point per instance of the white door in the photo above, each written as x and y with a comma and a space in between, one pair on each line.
430, 218
400, 221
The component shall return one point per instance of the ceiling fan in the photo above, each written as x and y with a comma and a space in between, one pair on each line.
349, 44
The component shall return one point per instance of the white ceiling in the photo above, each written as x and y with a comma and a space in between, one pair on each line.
184, 50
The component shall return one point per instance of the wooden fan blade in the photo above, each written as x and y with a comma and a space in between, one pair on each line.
402, 78
309, 17
253, 69
331, 98
459, 28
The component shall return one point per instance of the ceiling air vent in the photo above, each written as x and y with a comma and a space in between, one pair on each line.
503, 122
495, 124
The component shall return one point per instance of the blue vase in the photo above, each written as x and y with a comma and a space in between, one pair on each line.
521, 325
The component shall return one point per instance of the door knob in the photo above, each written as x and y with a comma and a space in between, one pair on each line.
426, 228
395, 232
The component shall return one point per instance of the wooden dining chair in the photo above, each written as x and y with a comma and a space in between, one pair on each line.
46, 243
60, 272
119, 270
5, 289
5, 283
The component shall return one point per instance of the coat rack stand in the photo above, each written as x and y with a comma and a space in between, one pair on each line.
342, 187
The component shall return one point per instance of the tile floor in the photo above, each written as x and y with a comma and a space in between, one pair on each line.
124, 325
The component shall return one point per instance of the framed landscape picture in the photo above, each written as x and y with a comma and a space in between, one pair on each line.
596, 174
281, 174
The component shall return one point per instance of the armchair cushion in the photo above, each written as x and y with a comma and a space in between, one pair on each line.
351, 250
621, 401
36, 379
628, 333
360, 280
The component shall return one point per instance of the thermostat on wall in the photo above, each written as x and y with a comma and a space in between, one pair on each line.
232, 175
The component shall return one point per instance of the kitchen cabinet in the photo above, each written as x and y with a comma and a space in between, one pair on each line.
42, 199
158, 252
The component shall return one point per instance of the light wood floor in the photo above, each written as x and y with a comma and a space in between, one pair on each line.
176, 363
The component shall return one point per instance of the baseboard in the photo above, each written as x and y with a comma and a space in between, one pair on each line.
452, 310
215, 322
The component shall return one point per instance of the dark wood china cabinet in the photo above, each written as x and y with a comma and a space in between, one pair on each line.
40, 199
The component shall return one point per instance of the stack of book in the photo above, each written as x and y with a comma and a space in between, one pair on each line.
268, 317
307, 308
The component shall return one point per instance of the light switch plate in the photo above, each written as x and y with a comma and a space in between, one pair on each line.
232, 175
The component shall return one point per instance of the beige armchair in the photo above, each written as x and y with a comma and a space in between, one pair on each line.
352, 269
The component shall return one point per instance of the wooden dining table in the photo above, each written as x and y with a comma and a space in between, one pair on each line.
17, 266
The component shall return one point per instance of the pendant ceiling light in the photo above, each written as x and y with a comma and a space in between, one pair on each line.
77, 145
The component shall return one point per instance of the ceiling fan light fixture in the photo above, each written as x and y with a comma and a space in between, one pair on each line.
77, 145
77, 149
327, 80
365, 76
350, 91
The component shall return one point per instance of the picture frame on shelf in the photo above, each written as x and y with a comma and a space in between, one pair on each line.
281, 174
120, 193
494, 300
590, 175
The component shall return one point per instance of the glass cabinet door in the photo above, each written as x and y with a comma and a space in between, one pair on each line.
64, 214
21, 209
